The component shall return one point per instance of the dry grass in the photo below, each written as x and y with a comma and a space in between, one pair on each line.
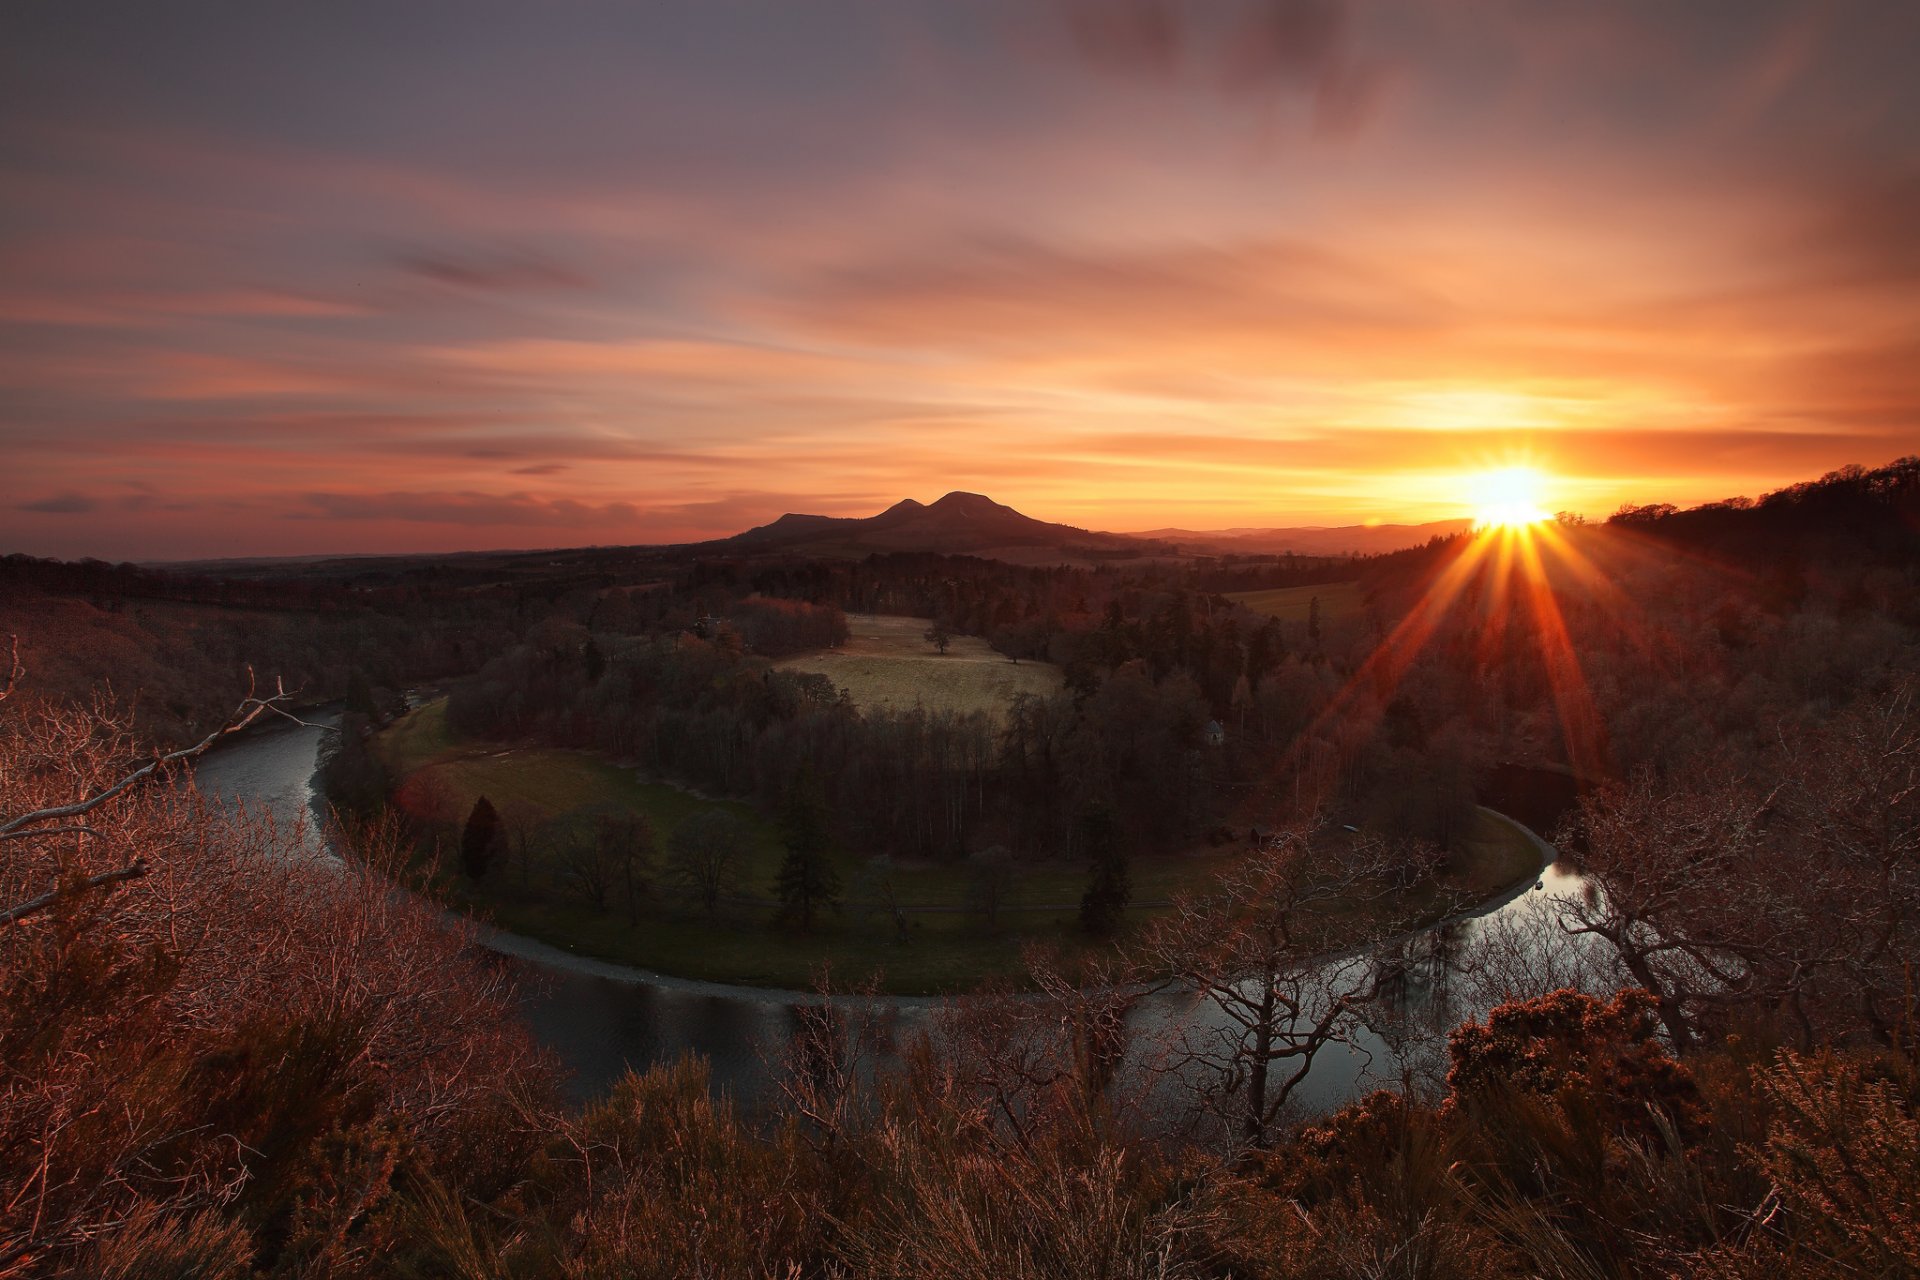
887, 662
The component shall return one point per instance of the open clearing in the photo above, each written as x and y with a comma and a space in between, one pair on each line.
1290, 604
887, 662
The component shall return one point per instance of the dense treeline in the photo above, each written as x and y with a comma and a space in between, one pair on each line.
1857, 513
935, 783
137, 582
777, 628
1172, 614
913, 783
178, 665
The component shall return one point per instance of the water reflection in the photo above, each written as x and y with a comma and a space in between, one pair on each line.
601, 1019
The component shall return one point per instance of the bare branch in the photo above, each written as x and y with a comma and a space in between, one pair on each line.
251, 708
30, 833
133, 871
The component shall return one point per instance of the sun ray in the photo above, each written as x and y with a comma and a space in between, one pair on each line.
1384, 668
1580, 725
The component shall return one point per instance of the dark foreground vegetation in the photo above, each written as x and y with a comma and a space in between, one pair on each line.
217, 1065
218, 1062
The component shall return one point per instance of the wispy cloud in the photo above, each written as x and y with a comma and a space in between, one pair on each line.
63, 504
1124, 262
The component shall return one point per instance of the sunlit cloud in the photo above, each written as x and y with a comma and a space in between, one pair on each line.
1125, 265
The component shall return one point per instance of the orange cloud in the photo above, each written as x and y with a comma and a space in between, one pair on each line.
1231, 262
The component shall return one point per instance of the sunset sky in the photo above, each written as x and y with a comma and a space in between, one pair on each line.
345, 278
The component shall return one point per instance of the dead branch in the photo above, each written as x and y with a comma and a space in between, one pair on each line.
133, 871
32, 833
251, 708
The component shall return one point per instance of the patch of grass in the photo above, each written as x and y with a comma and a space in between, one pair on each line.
1291, 604
887, 662
947, 948
533, 785
416, 738
1495, 856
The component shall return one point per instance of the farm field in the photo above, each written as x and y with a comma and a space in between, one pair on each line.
887, 662
547, 791
1290, 604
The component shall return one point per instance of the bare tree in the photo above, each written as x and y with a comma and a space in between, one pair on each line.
706, 854
1028, 1064
519, 823
836, 1040
625, 840
578, 867
603, 854
874, 890
1278, 957
989, 881
1692, 896
1854, 795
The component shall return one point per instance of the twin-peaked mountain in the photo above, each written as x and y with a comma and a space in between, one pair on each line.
958, 524
973, 524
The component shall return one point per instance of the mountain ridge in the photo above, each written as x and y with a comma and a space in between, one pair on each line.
957, 522
963, 522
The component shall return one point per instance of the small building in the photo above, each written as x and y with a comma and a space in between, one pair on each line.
1213, 734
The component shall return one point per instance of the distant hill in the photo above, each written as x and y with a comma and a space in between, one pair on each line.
1350, 539
972, 523
958, 524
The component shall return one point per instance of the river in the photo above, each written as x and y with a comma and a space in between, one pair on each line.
599, 1019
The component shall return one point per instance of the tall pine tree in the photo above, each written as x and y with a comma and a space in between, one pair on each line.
478, 840
807, 883
1109, 886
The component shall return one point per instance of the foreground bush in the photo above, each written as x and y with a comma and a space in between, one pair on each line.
224, 1057
216, 1044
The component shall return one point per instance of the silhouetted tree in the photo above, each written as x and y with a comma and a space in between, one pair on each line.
1264, 650
360, 699
989, 881
1109, 886
1255, 946
624, 841
477, 841
351, 776
807, 883
705, 854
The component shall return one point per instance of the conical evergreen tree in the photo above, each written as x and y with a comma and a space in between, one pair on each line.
807, 883
1109, 886
478, 840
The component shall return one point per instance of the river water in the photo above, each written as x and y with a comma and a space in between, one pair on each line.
599, 1019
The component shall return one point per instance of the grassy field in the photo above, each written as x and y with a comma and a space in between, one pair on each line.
887, 662
1290, 604
947, 948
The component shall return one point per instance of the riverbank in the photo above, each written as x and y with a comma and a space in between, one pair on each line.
906, 929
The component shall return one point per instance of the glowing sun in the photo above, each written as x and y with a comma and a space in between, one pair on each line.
1508, 498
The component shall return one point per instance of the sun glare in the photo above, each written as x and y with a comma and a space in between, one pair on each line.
1508, 498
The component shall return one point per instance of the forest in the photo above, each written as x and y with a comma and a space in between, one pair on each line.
217, 1062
